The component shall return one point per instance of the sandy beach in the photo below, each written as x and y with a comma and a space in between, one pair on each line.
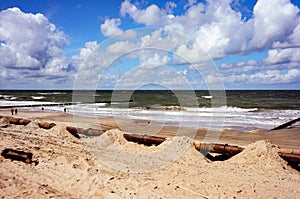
88, 167
151, 99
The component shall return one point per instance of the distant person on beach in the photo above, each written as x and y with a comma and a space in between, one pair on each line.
65, 109
12, 111
42, 108
16, 111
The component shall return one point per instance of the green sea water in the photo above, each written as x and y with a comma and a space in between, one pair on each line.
261, 99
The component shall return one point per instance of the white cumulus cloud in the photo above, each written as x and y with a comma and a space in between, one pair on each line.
286, 55
215, 29
31, 50
274, 20
156, 60
29, 40
267, 77
221, 30
150, 16
110, 27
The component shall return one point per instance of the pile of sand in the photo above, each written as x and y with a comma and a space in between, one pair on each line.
113, 150
109, 166
261, 155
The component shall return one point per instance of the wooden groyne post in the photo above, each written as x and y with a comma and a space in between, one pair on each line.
285, 125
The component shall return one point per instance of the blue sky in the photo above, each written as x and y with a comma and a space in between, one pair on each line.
184, 44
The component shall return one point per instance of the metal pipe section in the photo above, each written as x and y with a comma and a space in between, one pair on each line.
144, 139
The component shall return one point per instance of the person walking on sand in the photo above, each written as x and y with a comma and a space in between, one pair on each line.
16, 111
12, 111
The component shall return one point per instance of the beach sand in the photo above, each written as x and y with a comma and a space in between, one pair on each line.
88, 167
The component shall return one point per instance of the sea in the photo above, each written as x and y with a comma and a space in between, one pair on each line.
242, 110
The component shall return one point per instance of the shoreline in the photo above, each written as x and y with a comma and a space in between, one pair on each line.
286, 138
235, 117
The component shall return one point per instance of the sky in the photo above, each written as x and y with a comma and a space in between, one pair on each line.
183, 44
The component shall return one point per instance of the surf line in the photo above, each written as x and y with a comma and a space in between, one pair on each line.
37, 105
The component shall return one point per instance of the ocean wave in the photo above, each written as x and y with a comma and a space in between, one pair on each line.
226, 109
200, 117
237, 109
207, 96
22, 103
37, 97
51, 93
8, 97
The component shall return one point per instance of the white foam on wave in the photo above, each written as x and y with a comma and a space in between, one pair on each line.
51, 93
237, 118
199, 117
22, 103
37, 97
8, 97
226, 117
220, 109
236, 109
207, 97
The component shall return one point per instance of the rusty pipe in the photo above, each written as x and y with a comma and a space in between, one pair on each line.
17, 155
46, 125
290, 157
24, 122
218, 148
17, 121
144, 139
